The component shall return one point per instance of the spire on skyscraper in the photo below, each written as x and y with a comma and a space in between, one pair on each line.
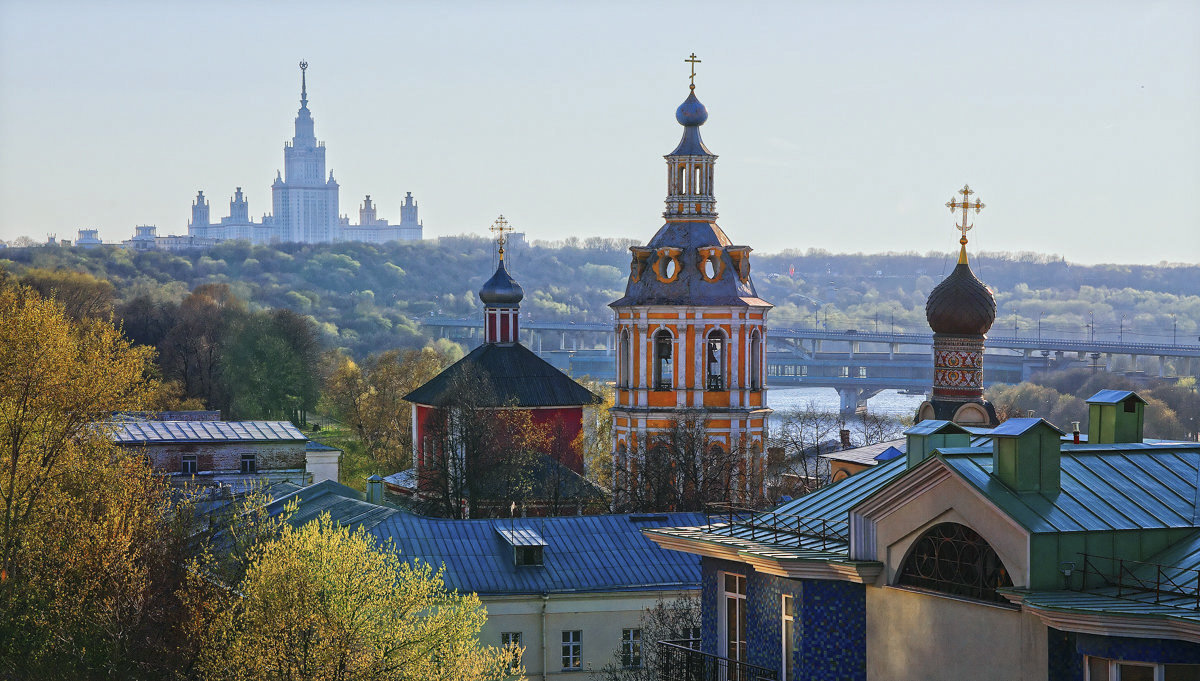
303, 85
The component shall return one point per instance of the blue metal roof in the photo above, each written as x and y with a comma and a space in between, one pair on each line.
1016, 427
889, 454
523, 536
160, 432
1113, 397
1128, 486
582, 553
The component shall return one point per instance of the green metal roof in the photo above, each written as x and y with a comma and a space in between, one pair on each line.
1128, 486
934, 426
1113, 397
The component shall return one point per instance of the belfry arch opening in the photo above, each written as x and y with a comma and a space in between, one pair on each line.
624, 358
952, 558
756, 379
664, 365
714, 361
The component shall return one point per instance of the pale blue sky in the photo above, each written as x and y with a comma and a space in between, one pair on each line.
840, 125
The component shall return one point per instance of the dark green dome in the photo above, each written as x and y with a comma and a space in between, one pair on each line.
961, 305
501, 289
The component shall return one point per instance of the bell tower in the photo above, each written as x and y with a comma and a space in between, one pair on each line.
691, 330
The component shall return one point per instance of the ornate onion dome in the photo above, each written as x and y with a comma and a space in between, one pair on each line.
961, 305
501, 289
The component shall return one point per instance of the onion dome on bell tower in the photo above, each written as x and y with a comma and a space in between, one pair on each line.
960, 311
501, 296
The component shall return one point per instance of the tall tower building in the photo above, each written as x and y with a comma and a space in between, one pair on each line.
960, 310
200, 222
691, 330
304, 201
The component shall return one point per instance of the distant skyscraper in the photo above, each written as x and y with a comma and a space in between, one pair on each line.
304, 200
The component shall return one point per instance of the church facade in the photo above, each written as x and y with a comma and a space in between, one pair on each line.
304, 201
690, 333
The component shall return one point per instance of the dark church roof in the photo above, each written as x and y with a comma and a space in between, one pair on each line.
690, 286
517, 377
961, 305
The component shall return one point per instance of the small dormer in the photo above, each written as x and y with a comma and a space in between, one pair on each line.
527, 545
1027, 455
1115, 416
932, 434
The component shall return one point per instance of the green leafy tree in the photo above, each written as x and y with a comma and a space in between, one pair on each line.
323, 602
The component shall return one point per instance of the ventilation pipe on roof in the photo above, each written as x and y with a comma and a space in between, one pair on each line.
375, 489
1075, 432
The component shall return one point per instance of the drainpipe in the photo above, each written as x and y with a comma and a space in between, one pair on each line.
545, 662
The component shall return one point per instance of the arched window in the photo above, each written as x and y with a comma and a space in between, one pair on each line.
664, 373
714, 361
954, 559
756, 380
624, 358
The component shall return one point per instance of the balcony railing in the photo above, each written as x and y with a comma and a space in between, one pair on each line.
678, 662
1179, 586
776, 527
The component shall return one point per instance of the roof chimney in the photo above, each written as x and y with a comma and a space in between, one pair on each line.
1027, 455
375, 489
1115, 416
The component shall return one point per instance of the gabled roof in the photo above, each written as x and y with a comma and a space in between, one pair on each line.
1113, 397
935, 427
517, 377
1018, 427
160, 432
868, 455
601, 553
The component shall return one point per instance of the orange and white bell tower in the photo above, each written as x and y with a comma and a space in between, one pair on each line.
690, 329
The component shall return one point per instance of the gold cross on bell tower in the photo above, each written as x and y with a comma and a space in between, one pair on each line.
693, 61
500, 228
965, 205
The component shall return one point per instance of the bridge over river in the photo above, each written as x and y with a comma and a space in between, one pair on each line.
858, 364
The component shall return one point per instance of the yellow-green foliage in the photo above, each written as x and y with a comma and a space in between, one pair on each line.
326, 602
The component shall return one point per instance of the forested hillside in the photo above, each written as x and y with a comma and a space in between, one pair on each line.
369, 298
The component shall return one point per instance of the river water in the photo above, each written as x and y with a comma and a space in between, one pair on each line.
887, 403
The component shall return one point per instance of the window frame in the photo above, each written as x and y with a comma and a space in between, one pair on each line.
193, 459
723, 641
631, 648
572, 649
252, 459
515, 639
787, 621
664, 339
715, 382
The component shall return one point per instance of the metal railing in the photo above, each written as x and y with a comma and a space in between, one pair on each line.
747, 523
678, 662
1132, 576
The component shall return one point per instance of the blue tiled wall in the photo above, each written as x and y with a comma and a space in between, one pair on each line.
830, 622
1137, 649
833, 631
1064, 661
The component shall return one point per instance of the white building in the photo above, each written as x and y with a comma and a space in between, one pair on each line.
304, 201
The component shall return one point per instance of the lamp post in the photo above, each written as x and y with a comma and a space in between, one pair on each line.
1121, 333
1040, 315
1174, 329
1091, 326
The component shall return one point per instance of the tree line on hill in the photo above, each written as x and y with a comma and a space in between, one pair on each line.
370, 298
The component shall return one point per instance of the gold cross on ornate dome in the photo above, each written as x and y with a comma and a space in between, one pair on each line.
500, 227
965, 205
693, 61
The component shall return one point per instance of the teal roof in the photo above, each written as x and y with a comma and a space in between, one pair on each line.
1113, 397
1018, 427
1104, 487
934, 426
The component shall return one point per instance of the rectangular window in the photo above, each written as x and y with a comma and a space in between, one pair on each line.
690, 638
249, 463
528, 555
733, 616
789, 638
631, 648
572, 646
512, 641
189, 466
